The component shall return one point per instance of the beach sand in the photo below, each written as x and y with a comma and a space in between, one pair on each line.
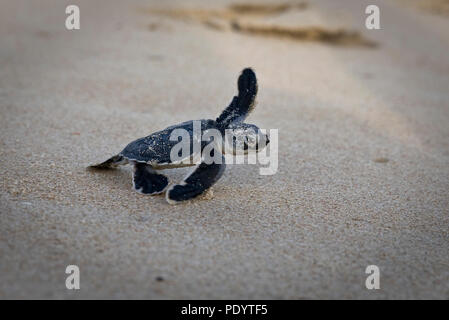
363, 177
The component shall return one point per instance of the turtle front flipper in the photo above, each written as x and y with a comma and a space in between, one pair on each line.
242, 104
111, 163
147, 181
201, 179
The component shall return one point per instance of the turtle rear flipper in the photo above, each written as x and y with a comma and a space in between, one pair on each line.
147, 181
111, 163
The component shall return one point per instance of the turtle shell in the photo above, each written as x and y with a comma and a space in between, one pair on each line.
155, 149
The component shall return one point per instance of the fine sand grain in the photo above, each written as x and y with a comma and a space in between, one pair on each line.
363, 151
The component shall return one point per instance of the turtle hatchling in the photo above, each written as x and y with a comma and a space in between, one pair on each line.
152, 153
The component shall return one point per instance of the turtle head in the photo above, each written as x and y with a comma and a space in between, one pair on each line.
242, 138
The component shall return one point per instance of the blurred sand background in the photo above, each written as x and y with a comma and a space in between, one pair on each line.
363, 119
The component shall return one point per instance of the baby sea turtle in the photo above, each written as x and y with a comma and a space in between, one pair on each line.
153, 152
